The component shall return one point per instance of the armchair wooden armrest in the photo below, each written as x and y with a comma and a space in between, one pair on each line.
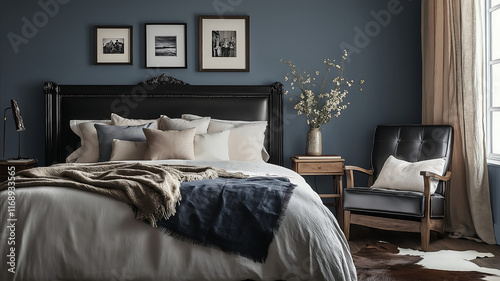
427, 184
349, 172
446, 177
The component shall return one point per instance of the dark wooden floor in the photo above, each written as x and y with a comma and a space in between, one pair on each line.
362, 236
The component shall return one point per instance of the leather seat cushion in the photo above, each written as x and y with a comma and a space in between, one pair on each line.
393, 202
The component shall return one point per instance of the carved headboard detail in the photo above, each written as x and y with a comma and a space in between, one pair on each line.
163, 79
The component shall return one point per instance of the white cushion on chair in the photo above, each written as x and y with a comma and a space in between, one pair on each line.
401, 175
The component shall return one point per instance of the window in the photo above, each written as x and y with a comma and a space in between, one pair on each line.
492, 39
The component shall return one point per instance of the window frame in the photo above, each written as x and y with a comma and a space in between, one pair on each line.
492, 158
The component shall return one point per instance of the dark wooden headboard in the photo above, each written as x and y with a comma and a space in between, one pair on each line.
144, 101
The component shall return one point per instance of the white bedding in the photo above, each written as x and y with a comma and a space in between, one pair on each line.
67, 234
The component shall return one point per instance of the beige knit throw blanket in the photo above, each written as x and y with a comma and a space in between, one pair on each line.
152, 188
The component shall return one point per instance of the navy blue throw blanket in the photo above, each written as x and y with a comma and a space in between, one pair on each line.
238, 216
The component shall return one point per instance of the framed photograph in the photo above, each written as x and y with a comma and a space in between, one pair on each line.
166, 45
224, 43
113, 44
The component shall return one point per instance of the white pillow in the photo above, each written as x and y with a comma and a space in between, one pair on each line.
218, 125
73, 124
212, 146
178, 124
127, 150
117, 120
401, 175
215, 126
246, 143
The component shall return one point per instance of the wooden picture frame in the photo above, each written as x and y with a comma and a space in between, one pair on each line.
113, 44
166, 45
224, 43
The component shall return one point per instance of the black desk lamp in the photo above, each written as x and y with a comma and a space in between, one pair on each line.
18, 119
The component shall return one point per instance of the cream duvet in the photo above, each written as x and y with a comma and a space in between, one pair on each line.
67, 234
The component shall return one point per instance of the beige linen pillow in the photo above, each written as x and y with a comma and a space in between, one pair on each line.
212, 146
89, 142
401, 175
201, 124
73, 124
127, 150
170, 144
73, 157
117, 120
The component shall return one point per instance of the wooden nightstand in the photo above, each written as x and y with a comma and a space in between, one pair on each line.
323, 165
18, 164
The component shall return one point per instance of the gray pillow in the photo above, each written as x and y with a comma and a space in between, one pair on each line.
106, 134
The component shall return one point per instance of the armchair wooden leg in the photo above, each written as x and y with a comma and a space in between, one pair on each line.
425, 233
347, 224
441, 229
425, 225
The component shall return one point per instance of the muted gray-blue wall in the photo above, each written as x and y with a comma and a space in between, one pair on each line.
384, 51
54, 41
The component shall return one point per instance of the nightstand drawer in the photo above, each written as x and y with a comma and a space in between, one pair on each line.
18, 165
319, 168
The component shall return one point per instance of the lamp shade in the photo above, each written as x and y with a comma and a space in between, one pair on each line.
16, 113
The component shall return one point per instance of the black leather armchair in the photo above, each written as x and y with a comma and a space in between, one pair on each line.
395, 209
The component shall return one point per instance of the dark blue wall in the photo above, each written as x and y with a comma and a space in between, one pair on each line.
385, 52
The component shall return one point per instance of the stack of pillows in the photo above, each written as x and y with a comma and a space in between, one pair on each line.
190, 137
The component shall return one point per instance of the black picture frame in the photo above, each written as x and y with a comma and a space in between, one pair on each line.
166, 45
224, 44
113, 44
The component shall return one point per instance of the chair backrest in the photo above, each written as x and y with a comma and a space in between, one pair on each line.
412, 143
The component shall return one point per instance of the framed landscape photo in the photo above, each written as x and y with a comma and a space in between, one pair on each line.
224, 43
166, 45
113, 44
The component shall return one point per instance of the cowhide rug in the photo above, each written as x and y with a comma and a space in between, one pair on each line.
387, 262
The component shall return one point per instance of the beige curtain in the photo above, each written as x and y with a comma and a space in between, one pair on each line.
452, 85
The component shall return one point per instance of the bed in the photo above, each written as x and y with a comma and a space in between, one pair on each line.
64, 233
